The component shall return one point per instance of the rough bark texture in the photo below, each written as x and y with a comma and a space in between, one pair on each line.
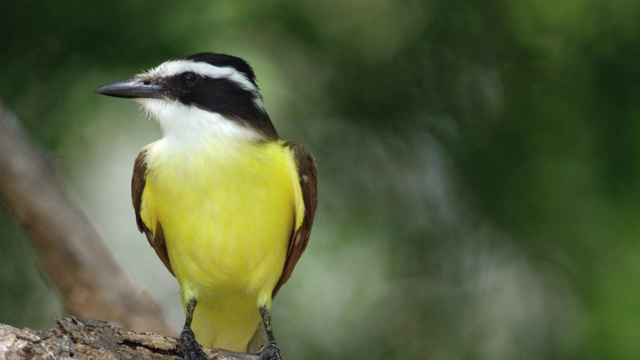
82, 338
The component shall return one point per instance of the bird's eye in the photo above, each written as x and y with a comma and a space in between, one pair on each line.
188, 79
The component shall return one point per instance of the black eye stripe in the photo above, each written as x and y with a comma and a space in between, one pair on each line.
235, 96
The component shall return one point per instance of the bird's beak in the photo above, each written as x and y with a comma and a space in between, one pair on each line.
133, 88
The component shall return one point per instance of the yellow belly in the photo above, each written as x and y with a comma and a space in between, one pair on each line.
227, 214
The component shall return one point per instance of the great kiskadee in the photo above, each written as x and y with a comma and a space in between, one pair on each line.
226, 204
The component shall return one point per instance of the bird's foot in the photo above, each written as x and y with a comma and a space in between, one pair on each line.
189, 346
270, 352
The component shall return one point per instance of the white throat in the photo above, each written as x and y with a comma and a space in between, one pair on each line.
192, 125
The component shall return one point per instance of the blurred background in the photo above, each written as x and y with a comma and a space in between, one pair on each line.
479, 163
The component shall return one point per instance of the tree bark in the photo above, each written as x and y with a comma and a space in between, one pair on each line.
82, 338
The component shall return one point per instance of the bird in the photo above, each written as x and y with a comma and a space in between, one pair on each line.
226, 204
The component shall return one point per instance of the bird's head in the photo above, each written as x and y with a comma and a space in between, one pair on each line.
201, 94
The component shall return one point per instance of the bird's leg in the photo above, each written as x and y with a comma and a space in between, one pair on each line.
188, 345
271, 350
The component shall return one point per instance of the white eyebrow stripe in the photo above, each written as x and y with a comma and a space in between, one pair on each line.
175, 67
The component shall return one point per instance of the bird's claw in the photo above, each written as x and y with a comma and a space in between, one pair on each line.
270, 352
189, 346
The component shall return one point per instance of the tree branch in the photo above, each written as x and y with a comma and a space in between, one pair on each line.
83, 338
71, 252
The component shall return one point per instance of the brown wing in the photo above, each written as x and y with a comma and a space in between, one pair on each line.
308, 179
138, 183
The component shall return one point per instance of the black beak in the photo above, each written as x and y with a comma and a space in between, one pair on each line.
133, 88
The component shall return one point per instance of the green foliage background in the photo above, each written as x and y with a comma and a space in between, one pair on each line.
479, 161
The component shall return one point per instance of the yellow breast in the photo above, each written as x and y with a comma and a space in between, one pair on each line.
227, 213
